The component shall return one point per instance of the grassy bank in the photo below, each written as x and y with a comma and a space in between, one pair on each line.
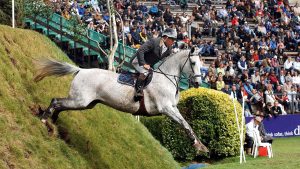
97, 138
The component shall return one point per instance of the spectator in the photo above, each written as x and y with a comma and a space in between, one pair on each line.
275, 65
220, 82
285, 101
242, 65
255, 78
81, 10
143, 36
213, 84
256, 101
91, 26
295, 78
226, 89
234, 93
288, 77
273, 78
227, 78
153, 11
212, 68
296, 65
270, 98
268, 110
129, 41
95, 5
288, 85
66, 14
288, 64
183, 5
221, 69
276, 110
250, 127
282, 77
248, 87
292, 97
263, 134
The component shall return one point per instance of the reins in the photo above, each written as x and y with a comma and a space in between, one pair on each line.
176, 84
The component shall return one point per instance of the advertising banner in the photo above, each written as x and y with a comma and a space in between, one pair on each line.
282, 126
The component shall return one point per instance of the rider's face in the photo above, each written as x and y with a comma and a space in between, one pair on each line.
169, 41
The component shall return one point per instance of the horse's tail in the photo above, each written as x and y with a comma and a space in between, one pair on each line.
50, 67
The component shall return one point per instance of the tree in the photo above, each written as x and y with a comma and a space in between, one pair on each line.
113, 35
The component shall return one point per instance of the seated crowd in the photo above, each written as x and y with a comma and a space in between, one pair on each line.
251, 59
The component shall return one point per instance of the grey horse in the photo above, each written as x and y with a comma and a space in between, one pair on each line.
92, 86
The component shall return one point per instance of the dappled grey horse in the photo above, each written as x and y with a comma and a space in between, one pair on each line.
92, 86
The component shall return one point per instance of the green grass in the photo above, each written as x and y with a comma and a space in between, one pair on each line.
101, 138
286, 156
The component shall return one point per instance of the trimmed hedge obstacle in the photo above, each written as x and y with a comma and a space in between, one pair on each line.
211, 115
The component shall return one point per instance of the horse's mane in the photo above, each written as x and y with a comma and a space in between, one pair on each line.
179, 52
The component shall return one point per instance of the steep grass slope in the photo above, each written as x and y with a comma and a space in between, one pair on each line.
100, 138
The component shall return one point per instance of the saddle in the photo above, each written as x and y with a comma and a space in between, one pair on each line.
129, 78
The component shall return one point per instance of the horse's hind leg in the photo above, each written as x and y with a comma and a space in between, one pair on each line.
175, 115
60, 104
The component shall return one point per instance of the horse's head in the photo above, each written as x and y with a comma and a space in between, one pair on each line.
191, 67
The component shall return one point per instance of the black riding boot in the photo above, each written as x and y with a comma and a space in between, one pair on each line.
139, 86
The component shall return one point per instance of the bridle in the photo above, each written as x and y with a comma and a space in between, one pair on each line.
178, 78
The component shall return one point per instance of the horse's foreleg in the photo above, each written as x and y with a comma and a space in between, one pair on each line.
175, 115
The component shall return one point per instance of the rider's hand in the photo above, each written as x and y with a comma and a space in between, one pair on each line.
146, 66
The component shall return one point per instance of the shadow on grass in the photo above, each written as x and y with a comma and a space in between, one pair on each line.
82, 145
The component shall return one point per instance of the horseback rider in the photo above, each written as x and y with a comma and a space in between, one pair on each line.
149, 54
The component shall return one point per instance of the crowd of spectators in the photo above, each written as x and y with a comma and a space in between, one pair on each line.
255, 62
252, 41
139, 21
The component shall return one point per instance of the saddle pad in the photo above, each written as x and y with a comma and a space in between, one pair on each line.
126, 79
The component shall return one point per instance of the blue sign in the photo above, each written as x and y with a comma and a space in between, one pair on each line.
282, 126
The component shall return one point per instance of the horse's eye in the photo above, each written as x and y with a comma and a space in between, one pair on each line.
193, 63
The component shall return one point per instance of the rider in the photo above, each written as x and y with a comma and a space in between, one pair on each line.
149, 54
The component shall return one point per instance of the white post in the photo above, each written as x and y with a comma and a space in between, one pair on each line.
242, 130
242, 154
13, 13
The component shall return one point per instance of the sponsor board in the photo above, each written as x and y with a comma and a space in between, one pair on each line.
282, 126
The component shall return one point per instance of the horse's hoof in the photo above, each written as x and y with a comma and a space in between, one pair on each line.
200, 147
44, 121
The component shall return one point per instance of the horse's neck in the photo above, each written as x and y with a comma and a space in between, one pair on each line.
172, 64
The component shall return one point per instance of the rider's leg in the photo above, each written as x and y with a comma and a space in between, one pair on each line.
140, 80
139, 85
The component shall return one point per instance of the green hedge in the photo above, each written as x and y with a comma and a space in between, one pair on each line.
211, 115
154, 125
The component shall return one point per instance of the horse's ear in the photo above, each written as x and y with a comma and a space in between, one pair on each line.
193, 49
